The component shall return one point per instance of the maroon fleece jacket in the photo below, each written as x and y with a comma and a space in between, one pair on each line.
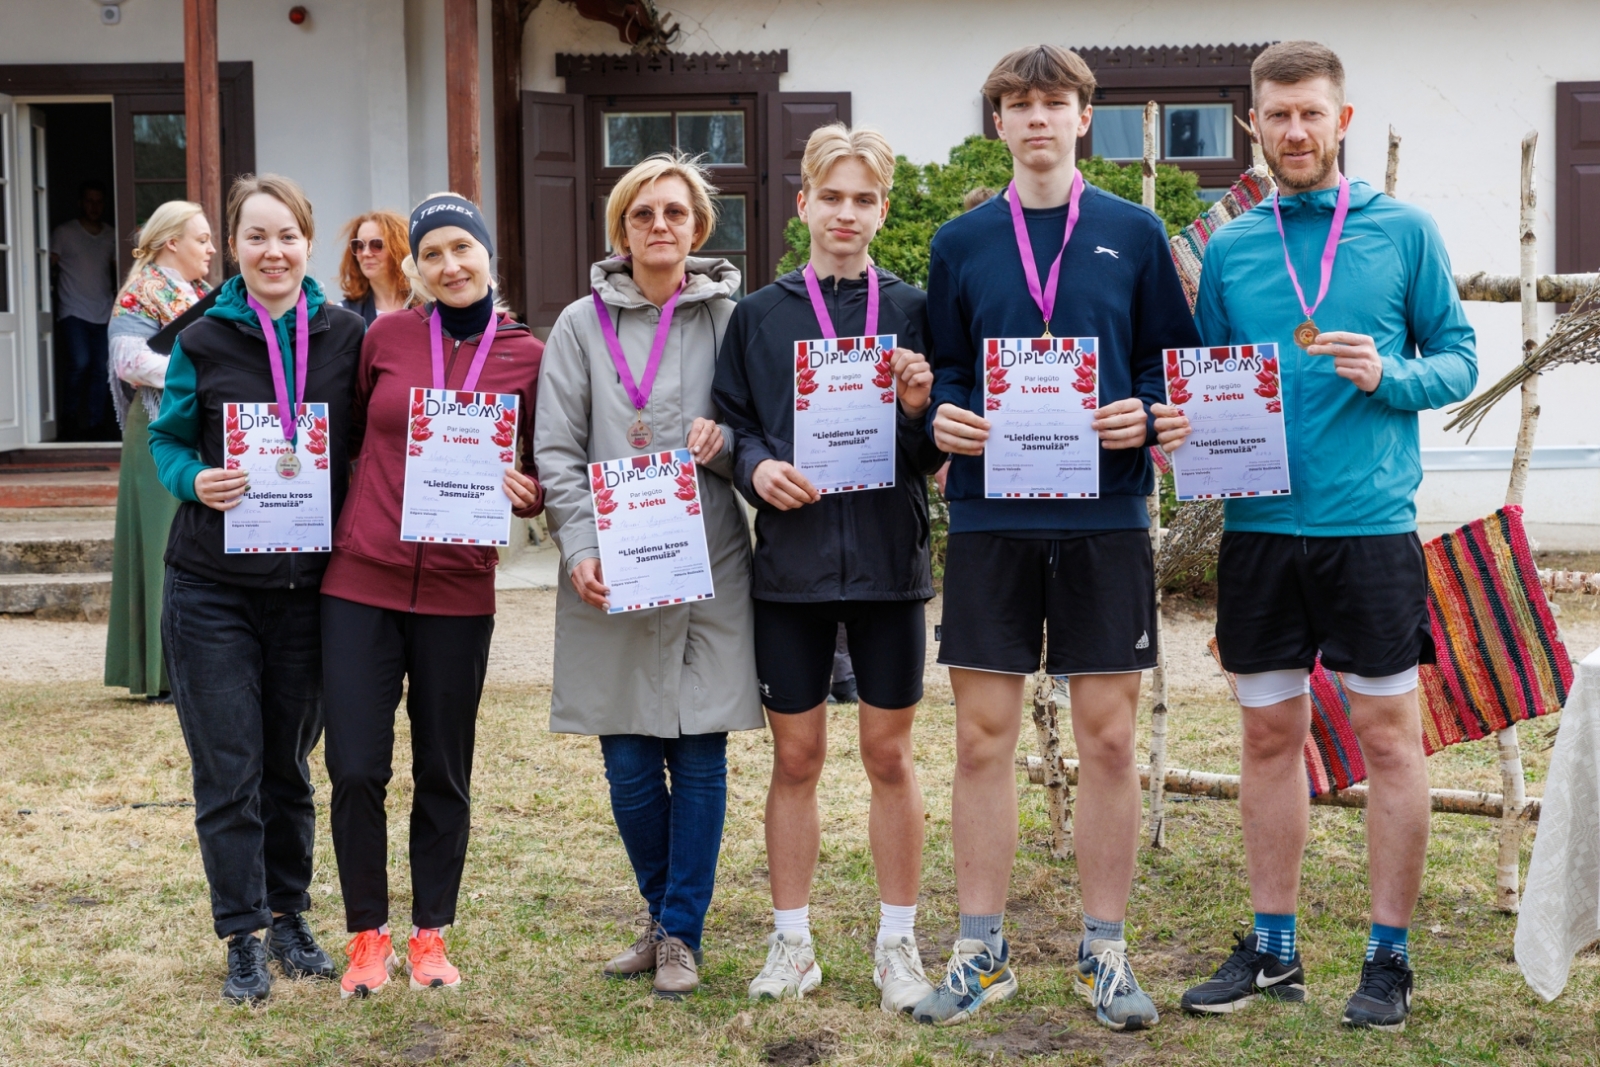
370, 564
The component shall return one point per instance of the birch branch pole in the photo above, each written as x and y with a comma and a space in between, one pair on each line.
1391, 173
1158, 677
1507, 288
1052, 768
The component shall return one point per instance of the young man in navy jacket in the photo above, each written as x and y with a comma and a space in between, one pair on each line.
860, 558
1079, 571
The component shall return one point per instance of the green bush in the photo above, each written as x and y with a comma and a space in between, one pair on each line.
926, 197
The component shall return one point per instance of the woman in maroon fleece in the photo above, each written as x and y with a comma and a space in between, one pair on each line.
393, 610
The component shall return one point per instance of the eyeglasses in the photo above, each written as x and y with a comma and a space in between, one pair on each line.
358, 246
643, 218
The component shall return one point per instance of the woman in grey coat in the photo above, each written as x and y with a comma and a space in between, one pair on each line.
660, 686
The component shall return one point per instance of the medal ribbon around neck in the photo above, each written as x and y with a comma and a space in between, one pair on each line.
302, 347
1044, 297
436, 342
1330, 252
639, 394
814, 290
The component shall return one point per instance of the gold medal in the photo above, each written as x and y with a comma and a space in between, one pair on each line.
639, 435
1305, 334
288, 466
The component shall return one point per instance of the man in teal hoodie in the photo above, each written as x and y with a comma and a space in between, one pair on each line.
1355, 289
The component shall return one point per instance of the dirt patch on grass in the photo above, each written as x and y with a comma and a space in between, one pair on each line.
801, 1051
1039, 1037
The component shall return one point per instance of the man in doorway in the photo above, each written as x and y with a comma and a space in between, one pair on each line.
1070, 578
84, 253
860, 558
1356, 291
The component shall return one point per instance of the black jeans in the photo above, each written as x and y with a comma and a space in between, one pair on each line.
246, 672
370, 652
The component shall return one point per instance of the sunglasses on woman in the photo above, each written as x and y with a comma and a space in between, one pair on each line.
359, 246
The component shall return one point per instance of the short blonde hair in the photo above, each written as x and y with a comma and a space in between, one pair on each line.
646, 173
285, 191
829, 144
166, 222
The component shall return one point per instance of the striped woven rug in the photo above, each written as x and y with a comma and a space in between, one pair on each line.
1499, 661
1189, 243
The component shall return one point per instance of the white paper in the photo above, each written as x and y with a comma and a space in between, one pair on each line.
460, 446
652, 536
289, 507
1040, 396
1233, 398
844, 413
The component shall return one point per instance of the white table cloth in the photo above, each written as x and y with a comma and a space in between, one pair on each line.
1561, 905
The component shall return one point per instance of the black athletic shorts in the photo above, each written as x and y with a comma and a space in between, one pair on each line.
1093, 595
795, 644
1361, 601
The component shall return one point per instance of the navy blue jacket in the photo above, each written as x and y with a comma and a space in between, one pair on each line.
1118, 284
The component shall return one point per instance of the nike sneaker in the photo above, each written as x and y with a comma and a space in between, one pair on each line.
1246, 975
427, 964
1383, 999
371, 960
972, 979
791, 969
1105, 978
897, 971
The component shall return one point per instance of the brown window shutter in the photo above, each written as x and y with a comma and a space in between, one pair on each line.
554, 204
790, 119
1577, 177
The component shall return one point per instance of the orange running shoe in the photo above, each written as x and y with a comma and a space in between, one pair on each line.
371, 959
427, 965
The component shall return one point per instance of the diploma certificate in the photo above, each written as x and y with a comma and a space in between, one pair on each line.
458, 448
1040, 396
652, 536
1233, 398
289, 507
844, 413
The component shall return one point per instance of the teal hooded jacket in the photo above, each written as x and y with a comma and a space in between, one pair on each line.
175, 434
1355, 459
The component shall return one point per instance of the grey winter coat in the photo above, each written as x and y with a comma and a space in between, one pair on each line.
661, 672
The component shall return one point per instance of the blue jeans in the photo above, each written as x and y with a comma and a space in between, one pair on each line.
87, 355
673, 836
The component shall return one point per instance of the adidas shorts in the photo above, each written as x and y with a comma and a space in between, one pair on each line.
1087, 603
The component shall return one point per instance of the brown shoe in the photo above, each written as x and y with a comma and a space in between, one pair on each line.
677, 974
640, 956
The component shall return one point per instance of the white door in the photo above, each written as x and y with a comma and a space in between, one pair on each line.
38, 340
13, 431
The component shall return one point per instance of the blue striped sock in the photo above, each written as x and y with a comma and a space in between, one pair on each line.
1392, 938
1275, 934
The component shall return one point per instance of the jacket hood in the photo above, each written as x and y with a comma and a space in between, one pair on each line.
708, 279
233, 302
1321, 201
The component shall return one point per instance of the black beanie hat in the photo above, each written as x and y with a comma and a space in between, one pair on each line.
448, 210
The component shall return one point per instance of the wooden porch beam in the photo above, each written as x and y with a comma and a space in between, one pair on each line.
202, 116
507, 20
461, 98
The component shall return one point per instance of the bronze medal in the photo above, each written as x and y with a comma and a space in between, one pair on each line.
1305, 334
639, 435
288, 466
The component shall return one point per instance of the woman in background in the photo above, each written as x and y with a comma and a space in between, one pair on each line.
369, 272
170, 263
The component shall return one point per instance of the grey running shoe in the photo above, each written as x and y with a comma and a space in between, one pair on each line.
1105, 978
248, 979
972, 979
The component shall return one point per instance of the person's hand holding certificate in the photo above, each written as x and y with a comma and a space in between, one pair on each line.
1040, 397
1225, 411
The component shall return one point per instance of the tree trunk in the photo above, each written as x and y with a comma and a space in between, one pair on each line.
1158, 677
1391, 173
1052, 768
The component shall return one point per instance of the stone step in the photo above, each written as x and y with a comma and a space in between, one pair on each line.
57, 596
38, 488
55, 547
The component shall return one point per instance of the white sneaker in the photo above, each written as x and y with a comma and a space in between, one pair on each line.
897, 971
791, 969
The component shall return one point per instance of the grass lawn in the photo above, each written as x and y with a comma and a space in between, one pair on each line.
107, 957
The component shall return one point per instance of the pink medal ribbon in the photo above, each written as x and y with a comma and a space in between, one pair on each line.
302, 346
1306, 332
639, 433
814, 290
436, 341
1044, 297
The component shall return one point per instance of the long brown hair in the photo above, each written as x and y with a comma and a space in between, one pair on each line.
396, 244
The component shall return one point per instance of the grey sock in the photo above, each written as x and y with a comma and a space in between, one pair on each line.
1097, 930
985, 928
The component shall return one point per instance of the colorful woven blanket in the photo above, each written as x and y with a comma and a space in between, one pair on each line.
1499, 661
1189, 243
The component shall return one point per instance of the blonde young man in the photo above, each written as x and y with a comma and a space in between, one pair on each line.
1051, 256
860, 558
1334, 568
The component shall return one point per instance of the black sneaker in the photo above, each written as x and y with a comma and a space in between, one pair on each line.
1383, 999
844, 692
248, 981
1246, 975
289, 941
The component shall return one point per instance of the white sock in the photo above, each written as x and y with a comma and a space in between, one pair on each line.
383, 929
895, 921
793, 921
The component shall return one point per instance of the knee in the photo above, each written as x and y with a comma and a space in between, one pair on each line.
798, 761
888, 761
981, 749
1388, 745
1269, 739
1107, 743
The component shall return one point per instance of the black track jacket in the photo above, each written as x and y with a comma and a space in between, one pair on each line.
866, 545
